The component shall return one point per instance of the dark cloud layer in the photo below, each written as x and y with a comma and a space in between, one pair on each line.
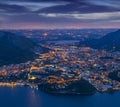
59, 13
13, 8
80, 7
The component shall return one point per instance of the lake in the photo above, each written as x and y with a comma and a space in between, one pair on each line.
27, 97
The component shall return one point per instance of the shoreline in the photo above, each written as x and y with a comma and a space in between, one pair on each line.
62, 93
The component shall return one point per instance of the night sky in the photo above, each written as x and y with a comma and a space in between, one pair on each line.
59, 14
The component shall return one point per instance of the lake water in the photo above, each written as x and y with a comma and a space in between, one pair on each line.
27, 97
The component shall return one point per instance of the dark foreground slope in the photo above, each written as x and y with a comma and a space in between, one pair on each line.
15, 49
109, 42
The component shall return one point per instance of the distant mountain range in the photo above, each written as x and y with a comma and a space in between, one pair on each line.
109, 42
15, 49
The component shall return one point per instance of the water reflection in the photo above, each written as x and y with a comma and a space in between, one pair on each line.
34, 99
27, 97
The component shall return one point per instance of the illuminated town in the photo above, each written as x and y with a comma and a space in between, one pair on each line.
59, 53
63, 64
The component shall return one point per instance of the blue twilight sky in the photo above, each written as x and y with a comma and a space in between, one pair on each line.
59, 14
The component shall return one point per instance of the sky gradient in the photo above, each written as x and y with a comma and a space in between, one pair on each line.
59, 14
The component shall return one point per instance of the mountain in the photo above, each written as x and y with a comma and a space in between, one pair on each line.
15, 49
108, 42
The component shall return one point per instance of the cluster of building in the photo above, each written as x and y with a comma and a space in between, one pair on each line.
67, 63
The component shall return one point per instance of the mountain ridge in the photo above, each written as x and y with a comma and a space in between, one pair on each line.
15, 49
108, 42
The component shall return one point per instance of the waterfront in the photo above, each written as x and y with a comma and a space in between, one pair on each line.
20, 96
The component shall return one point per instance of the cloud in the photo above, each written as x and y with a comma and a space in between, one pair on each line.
111, 3
59, 13
90, 16
6, 8
44, 0
33, 6
60, 6
80, 7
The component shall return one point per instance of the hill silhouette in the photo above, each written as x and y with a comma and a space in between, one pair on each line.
15, 49
109, 42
